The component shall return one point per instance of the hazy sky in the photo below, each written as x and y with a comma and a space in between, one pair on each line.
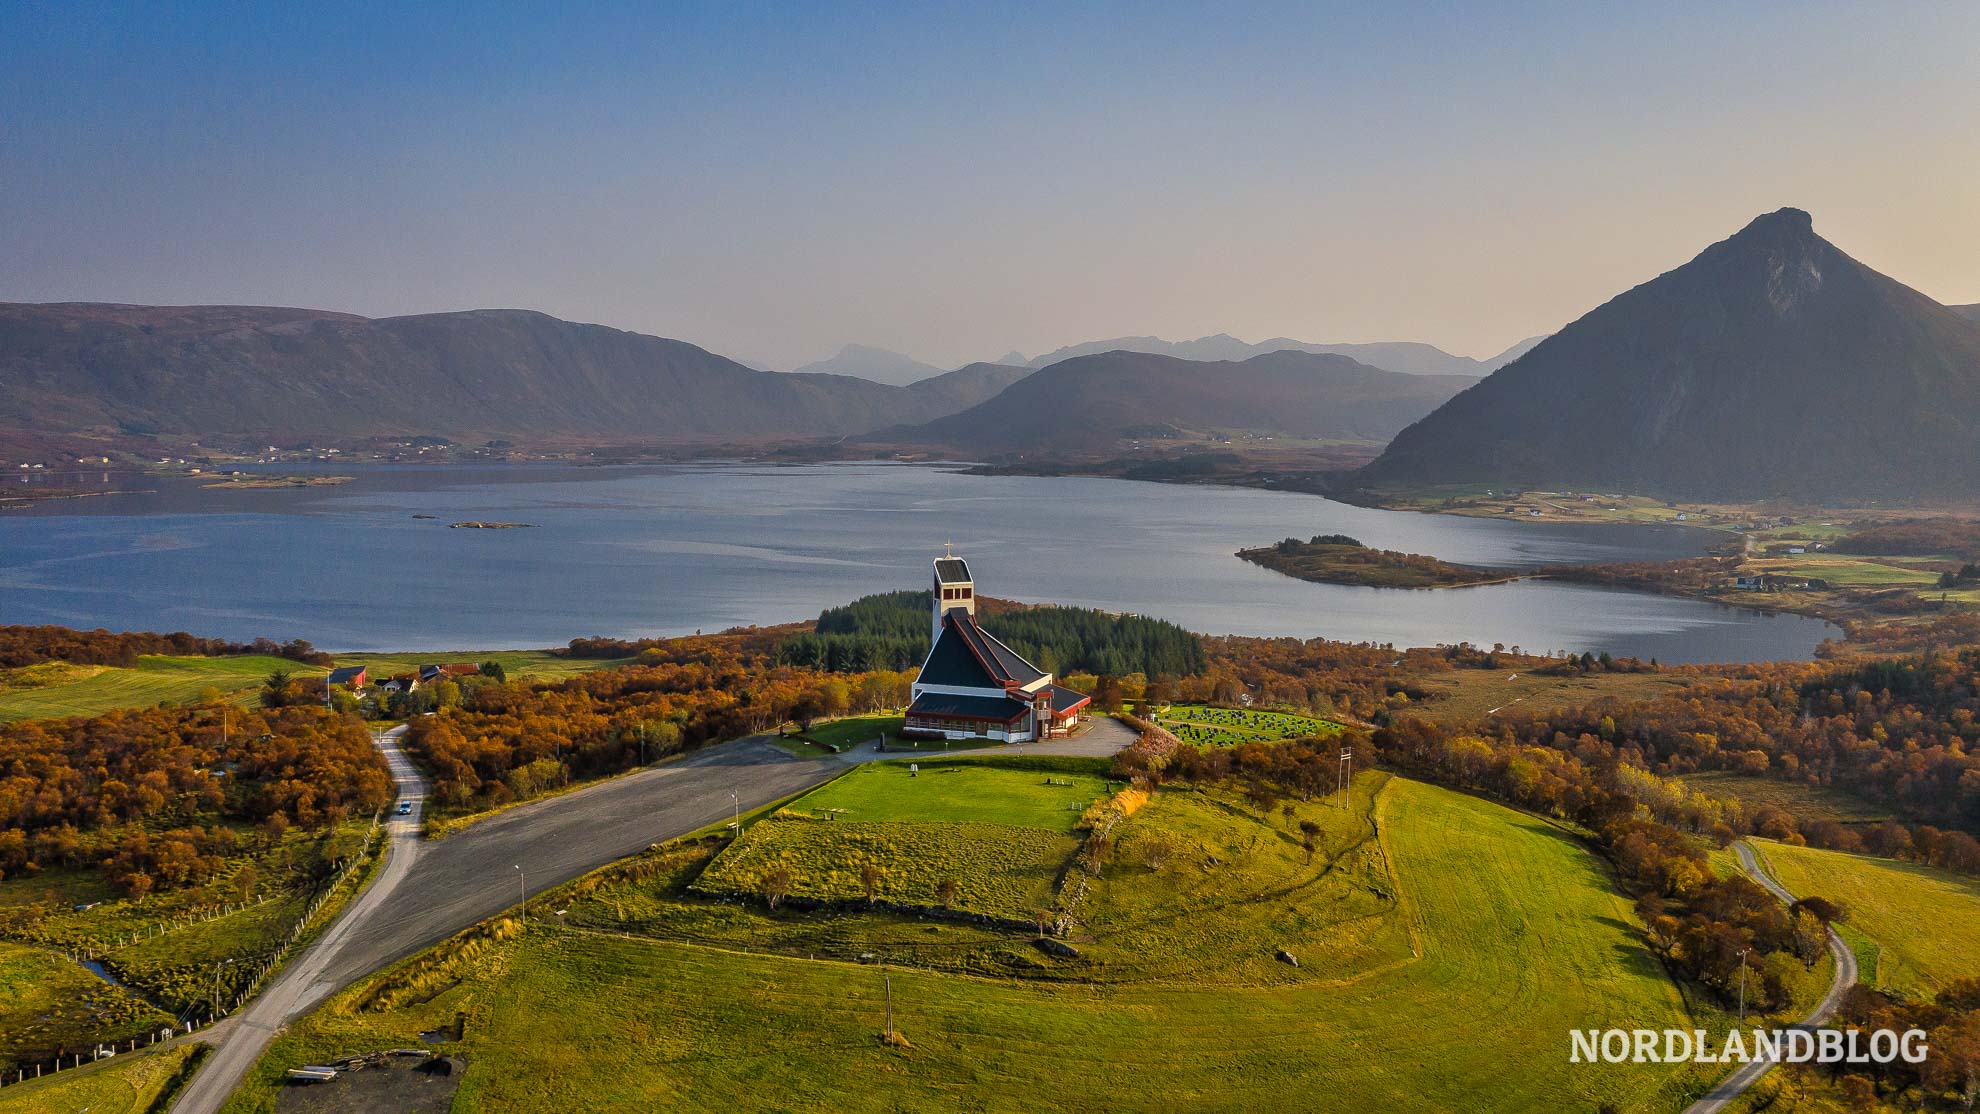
955, 182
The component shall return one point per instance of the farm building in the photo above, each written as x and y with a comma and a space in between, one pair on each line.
972, 685
356, 676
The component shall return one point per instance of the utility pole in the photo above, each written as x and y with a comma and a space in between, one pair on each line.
888, 1037
1346, 775
1742, 986
738, 821
216, 986
522, 888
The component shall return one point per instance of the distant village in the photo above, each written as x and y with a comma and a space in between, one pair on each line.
353, 686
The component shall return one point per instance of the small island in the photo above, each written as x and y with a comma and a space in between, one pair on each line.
236, 480
1339, 559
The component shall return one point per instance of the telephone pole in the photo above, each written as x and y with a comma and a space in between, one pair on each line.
522, 888
1346, 776
1742, 986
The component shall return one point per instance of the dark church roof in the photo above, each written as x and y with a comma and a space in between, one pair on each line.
993, 709
966, 656
951, 570
1065, 700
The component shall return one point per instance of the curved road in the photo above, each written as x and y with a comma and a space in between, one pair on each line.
1734, 1085
429, 891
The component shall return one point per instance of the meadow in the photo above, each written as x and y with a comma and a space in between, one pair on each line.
126, 1084
1000, 836
1505, 928
173, 946
1205, 725
1925, 922
49, 1004
536, 665
56, 689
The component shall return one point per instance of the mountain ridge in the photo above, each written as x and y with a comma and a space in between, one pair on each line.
1408, 357
1771, 364
280, 373
1084, 404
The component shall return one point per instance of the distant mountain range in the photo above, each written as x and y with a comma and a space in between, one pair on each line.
883, 366
1087, 404
261, 373
876, 364
1408, 357
1770, 365
1971, 313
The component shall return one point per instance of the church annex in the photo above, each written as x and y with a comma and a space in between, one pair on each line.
973, 686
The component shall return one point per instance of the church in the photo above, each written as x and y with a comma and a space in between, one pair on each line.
973, 686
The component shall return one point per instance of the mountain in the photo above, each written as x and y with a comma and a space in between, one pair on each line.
1409, 357
1770, 365
261, 373
877, 365
1971, 313
1082, 405
952, 391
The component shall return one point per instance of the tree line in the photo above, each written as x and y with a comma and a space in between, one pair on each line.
891, 631
26, 645
511, 741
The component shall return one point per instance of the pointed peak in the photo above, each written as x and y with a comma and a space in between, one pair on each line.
1779, 224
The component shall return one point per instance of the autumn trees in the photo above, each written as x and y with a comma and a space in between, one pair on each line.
159, 797
509, 742
25, 645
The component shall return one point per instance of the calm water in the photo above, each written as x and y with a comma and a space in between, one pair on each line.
665, 551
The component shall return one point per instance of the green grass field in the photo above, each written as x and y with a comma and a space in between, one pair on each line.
1924, 921
1849, 571
973, 793
1003, 836
50, 1004
1203, 725
131, 1083
1507, 932
55, 689
94, 690
166, 945
540, 665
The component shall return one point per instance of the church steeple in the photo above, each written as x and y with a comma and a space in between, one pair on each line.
954, 590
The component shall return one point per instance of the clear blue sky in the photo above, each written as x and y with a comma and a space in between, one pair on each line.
958, 181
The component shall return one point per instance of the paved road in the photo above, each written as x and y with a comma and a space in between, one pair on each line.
1101, 737
1734, 1085
429, 891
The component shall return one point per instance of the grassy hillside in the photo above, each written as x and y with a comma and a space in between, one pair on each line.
127, 1084
1204, 725
1505, 934
1924, 921
55, 689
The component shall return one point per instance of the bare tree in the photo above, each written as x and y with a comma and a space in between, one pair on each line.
776, 885
869, 880
946, 892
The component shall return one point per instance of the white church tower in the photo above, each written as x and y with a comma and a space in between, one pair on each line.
954, 590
